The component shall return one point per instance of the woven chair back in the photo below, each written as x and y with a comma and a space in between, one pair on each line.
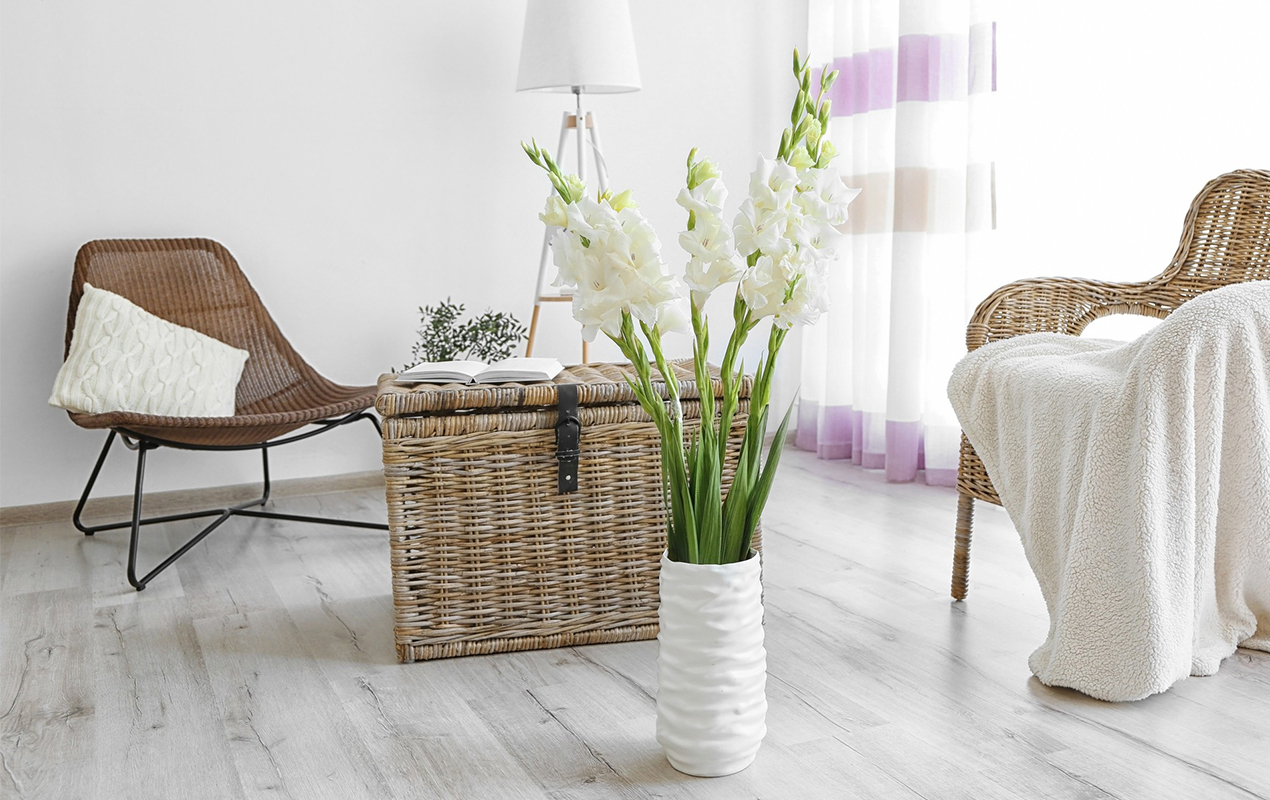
197, 283
1227, 235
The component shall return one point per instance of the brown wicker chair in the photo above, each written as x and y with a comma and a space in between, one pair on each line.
1226, 239
197, 283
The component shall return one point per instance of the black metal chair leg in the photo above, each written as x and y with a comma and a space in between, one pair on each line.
136, 520
264, 463
143, 444
88, 489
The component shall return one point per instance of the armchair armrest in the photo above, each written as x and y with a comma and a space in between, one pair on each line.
1063, 305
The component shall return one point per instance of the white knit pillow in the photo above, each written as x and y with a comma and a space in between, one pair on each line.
123, 358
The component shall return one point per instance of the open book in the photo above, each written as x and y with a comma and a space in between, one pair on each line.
510, 370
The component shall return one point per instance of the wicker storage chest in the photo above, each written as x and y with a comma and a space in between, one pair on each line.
488, 554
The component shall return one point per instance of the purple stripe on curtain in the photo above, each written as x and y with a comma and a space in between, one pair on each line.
941, 477
857, 438
829, 431
866, 82
835, 429
924, 68
903, 440
836, 432
806, 433
932, 67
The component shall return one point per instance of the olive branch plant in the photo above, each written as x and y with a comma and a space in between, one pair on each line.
443, 336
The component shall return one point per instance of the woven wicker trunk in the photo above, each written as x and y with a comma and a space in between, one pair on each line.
488, 556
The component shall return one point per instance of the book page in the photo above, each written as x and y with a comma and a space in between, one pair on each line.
521, 369
447, 371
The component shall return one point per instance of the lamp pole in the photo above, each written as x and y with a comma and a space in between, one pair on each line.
581, 131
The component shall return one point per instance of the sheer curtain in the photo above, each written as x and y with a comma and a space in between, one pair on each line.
912, 114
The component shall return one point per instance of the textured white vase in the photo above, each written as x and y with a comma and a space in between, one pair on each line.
711, 666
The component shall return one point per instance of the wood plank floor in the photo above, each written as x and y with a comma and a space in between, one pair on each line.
262, 665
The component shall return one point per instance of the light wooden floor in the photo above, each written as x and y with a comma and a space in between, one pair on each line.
263, 665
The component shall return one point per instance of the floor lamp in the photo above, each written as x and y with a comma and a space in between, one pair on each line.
581, 47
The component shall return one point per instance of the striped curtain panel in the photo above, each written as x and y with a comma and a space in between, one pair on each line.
912, 112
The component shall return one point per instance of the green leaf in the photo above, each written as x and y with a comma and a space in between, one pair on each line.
677, 545
756, 431
735, 507
681, 501
708, 506
764, 485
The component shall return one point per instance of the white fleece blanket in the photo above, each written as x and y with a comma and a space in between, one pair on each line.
1138, 476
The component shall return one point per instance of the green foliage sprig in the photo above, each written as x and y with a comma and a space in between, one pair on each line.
443, 336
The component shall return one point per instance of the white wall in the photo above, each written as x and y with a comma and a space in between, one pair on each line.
1114, 115
359, 159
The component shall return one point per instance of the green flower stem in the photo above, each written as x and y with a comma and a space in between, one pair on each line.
653, 335
682, 531
700, 356
743, 323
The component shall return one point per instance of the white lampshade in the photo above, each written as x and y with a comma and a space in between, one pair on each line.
578, 44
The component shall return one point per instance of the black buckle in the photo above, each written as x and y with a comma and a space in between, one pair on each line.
568, 438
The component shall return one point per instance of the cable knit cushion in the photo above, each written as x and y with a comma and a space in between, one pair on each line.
123, 358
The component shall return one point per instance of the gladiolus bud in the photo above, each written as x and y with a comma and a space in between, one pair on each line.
800, 158
827, 152
814, 131
623, 200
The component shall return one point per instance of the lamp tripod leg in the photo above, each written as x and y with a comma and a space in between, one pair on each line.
545, 253
533, 330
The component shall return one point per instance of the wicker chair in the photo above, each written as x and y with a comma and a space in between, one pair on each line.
197, 283
1226, 239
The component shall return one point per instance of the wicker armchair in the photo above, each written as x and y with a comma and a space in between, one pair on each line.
197, 283
1225, 240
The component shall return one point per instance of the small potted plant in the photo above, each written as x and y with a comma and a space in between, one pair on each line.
711, 705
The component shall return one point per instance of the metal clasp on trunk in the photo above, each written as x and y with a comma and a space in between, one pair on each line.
568, 438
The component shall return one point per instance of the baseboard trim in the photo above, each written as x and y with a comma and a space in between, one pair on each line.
187, 499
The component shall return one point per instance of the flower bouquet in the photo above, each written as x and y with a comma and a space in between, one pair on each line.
777, 251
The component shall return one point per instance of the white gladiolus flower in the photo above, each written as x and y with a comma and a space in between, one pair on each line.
554, 212
567, 255
763, 286
612, 260
643, 245
760, 228
673, 317
709, 239
791, 289
703, 277
707, 198
598, 306
772, 184
808, 300
578, 223
823, 194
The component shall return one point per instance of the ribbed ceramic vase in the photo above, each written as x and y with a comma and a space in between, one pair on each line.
711, 666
